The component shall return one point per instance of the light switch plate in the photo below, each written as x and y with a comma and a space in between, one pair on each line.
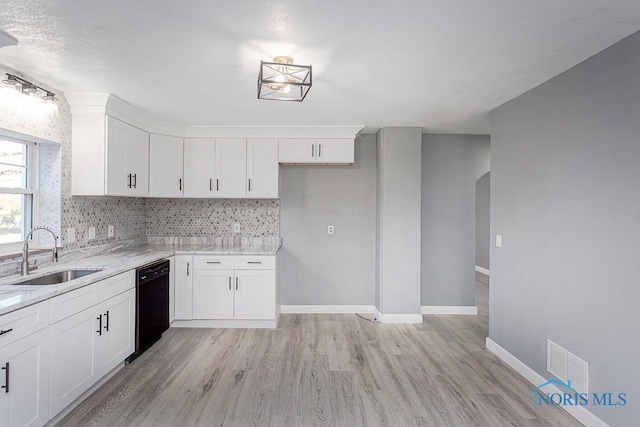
330, 229
71, 235
236, 228
110, 231
92, 233
499, 240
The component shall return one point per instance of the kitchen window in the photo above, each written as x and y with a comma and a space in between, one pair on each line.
18, 191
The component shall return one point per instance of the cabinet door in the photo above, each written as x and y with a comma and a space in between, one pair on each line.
118, 178
138, 161
231, 168
199, 162
262, 168
336, 150
213, 294
26, 402
295, 150
166, 155
117, 341
73, 360
172, 289
255, 296
183, 302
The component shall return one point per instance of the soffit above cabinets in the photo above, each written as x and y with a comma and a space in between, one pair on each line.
109, 104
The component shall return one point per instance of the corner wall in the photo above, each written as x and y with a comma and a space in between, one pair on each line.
451, 165
565, 174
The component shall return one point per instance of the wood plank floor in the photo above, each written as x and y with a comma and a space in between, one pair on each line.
324, 370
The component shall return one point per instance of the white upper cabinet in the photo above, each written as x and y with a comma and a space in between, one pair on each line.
262, 168
231, 168
319, 151
166, 158
335, 150
199, 163
109, 157
297, 150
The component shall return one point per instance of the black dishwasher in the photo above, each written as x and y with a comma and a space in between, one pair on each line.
152, 305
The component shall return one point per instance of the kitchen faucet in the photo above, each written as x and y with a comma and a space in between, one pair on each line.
25, 268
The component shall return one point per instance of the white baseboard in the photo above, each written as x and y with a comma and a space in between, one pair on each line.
482, 270
400, 318
230, 323
470, 310
580, 413
326, 309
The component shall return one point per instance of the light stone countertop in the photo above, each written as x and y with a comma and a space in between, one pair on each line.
14, 297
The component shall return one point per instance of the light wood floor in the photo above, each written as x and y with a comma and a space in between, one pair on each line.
327, 370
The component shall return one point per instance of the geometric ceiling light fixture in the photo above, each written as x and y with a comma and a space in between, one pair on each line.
27, 88
282, 80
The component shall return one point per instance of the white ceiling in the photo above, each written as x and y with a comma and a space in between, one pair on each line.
438, 64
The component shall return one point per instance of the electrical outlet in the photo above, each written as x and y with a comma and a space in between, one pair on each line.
110, 231
499, 240
236, 228
330, 229
92, 233
71, 235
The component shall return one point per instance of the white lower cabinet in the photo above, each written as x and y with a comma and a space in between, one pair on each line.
255, 294
218, 290
213, 294
246, 292
183, 277
88, 343
74, 364
24, 378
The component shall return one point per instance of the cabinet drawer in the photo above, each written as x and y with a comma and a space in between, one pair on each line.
73, 302
220, 262
116, 285
21, 323
257, 262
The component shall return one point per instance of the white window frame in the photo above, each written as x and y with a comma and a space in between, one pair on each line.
32, 188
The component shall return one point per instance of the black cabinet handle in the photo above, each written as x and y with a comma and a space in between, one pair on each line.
214, 262
107, 322
254, 262
313, 147
129, 182
210, 184
249, 184
99, 331
5, 368
180, 184
187, 269
5, 331
229, 282
319, 150
236, 283
135, 180
217, 184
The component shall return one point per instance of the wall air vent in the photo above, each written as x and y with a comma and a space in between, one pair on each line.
567, 366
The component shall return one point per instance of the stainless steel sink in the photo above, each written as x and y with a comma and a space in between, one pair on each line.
58, 277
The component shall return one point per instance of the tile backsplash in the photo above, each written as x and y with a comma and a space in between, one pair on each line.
212, 217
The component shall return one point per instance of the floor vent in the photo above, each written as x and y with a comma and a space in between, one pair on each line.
567, 366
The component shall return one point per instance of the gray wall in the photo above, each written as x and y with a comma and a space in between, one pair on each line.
318, 268
483, 239
451, 165
565, 186
398, 220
